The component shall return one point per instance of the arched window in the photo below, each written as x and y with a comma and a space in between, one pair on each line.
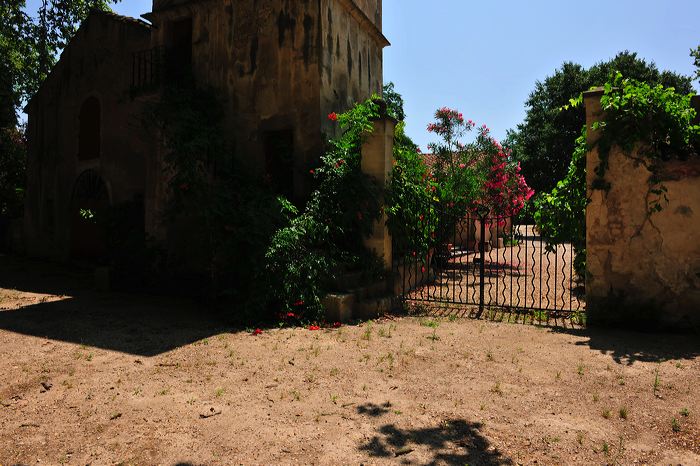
90, 127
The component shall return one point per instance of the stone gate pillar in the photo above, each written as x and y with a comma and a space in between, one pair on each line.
377, 162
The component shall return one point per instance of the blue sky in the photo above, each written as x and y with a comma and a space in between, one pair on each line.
484, 57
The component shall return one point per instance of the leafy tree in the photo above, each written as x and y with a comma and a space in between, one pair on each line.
545, 141
695, 53
394, 102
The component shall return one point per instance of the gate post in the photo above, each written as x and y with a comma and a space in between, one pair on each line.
377, 162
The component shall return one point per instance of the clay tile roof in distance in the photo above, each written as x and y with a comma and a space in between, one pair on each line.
430, 159
123, 19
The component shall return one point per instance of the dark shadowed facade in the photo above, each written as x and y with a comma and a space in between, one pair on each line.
281, 67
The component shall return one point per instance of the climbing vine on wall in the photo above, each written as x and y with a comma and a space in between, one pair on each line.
651, 124
325, 239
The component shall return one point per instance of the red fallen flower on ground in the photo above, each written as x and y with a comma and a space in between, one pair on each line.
314, 327
333, 116
299, 303
257, 332
291, 315
337, 325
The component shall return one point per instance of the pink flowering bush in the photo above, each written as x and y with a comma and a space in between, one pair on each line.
481, 173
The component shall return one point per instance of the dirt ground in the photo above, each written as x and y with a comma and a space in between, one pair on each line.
106, 378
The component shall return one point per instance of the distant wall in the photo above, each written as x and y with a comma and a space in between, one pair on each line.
641, 267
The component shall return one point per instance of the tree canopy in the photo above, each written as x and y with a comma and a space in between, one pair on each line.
30, 42
546, 139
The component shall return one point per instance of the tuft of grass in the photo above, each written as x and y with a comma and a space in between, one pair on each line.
657, 382
219, 392
623, 413
452, 317
580, 369
579, 437
489, 356
497, 389
684, 412
429, 323
433, 337
596, 397
605, 448
675, 425
607, 414
367, 334
334, 399
558, 376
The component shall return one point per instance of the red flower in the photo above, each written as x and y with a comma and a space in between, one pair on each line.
257, 332
339, 163
333, 116
337, 325
291, 315
422, 269
312, 171
314, 327
299, 303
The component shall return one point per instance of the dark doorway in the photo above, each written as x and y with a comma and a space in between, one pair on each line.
179, 48
279, 161
89, 203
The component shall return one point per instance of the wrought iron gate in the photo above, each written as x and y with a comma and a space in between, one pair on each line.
487, 265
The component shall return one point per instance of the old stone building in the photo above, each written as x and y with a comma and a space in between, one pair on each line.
280, 66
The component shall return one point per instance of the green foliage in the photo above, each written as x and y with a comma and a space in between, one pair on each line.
325, 239
695, 54
546, 139
12, 172
410, 200
561, 214
655, 120
227, 215
30, 43
394, 102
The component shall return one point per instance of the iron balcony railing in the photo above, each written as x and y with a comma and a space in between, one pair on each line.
147, 69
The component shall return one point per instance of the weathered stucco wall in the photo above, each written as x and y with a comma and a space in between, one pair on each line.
97, 63
639, 266
281, 65
351, 55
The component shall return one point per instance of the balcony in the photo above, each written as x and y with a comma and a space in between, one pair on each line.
147, 70
153, 68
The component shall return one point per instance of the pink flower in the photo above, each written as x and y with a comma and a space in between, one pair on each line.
337, 325
462, 166
314, 327
257, 332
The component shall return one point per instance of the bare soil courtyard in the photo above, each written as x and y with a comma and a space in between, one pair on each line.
107, 378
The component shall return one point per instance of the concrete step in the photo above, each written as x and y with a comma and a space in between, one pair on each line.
339, 306
372, 308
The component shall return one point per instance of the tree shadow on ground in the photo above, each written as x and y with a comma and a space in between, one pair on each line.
628, 347
136, 324
452, 442
373, 409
